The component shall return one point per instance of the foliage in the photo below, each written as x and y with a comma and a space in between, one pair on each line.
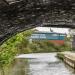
42, 46
9, 49
60, 55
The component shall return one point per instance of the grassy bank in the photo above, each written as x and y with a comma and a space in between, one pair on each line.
60, 55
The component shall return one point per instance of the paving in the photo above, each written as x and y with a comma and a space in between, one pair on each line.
71, 55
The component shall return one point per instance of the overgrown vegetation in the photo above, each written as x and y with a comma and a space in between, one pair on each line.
20, 44
60, 55
41, 46
10, 48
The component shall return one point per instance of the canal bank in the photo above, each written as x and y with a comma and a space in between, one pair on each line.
68, 58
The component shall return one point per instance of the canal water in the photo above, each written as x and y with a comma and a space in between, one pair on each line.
40, 64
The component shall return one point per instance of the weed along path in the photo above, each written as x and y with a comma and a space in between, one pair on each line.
40, 64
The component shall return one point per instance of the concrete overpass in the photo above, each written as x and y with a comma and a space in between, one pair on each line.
19, 15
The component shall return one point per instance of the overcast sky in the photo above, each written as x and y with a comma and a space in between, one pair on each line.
59, 30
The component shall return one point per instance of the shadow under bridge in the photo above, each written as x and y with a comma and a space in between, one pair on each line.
20, 15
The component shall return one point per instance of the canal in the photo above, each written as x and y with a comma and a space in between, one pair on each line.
40, 64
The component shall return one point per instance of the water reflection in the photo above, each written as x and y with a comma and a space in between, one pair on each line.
20, 67
40, 64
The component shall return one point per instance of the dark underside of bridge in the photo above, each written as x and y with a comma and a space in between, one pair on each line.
19, 15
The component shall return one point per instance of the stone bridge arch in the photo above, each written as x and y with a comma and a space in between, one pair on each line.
19, 15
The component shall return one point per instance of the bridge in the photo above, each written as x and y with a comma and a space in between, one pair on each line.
19, 15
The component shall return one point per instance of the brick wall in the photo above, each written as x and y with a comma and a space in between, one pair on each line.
59, 42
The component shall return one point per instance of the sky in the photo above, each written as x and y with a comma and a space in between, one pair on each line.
59, 30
